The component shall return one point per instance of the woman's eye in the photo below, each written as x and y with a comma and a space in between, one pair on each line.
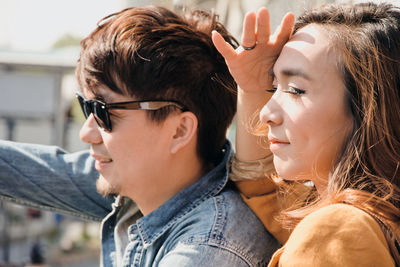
273, 90
294, 91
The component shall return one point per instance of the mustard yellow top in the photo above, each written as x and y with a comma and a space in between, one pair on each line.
336, 235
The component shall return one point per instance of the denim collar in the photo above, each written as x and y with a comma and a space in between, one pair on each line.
153, 225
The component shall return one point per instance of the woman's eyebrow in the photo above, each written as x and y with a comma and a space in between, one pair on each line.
271, 73
289, 72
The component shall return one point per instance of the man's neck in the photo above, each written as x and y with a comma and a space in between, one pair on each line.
174, 176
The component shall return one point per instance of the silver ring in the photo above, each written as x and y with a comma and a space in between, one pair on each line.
247, 48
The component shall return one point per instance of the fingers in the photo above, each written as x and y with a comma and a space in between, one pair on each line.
223, 47
284, 32
263, 26
249, 29
251, 35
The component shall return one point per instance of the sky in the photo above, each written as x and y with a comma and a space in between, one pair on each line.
34, 25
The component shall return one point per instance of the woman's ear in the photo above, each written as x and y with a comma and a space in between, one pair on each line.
185, 131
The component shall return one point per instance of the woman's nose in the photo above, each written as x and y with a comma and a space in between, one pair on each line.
270, 114
90, 132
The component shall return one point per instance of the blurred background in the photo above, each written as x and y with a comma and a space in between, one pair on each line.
39, 47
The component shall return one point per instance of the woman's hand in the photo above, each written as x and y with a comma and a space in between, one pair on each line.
250, 68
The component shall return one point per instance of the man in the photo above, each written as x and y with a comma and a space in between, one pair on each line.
158, 99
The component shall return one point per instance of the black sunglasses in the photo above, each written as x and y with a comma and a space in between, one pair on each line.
102, 116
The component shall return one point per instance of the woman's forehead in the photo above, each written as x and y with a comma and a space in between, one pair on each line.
309, 49
311, 38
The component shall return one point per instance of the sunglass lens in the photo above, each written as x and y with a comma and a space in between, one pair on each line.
101, 116
84, 106
99, 111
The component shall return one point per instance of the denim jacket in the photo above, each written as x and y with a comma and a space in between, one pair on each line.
205, 224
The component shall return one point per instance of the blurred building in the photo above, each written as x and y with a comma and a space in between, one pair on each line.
231, 12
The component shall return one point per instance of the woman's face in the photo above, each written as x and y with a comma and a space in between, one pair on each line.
307, 116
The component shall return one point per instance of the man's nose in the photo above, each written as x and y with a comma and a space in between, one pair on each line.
90, 132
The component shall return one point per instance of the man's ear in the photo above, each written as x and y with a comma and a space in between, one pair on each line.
185, 130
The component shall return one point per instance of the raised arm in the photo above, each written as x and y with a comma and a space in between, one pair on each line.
251, 70
49, 178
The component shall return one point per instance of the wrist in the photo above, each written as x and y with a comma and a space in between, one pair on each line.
244, 92
251, 170
261, 95
256, 88
253, 99
254, 91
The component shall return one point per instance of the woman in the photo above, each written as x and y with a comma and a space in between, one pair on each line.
331, 117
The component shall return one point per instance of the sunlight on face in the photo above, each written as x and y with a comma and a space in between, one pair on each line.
132, 156
307, 116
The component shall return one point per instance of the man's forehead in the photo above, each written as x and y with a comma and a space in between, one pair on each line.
105, 94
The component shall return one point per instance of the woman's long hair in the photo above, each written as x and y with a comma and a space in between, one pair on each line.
366, 38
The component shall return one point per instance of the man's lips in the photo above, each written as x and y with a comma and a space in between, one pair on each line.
102, 159
101, 162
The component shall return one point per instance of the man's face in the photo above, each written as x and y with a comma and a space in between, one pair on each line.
132, 157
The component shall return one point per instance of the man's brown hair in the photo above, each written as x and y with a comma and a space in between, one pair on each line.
152, 53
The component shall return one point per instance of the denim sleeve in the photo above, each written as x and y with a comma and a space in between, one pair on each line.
47, 177
184, 255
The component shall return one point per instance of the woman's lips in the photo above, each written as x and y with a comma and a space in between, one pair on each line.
276, 144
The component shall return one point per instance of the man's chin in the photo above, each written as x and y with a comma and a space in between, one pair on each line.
105, 188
